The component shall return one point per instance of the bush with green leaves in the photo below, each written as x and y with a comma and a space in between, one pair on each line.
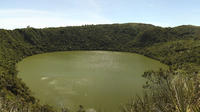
168, 91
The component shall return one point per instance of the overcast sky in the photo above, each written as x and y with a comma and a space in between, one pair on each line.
54, 13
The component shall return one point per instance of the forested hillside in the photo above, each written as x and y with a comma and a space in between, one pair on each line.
178, 47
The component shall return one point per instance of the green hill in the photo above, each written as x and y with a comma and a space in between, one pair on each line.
178, 47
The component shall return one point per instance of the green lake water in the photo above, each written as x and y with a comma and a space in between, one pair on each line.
100, 80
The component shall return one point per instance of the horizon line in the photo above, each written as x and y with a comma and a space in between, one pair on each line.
29, 26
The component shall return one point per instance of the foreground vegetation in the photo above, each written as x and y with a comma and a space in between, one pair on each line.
167, 91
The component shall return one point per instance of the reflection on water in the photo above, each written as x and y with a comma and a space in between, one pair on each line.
95, 79
44, 78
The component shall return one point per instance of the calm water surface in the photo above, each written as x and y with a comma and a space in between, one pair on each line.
95, 79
